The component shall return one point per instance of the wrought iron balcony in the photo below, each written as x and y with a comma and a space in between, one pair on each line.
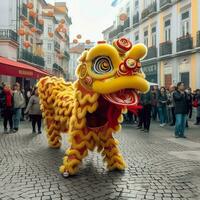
56, 46
184, 43
136, 19
149, 10
165, 4
28, 56
58, 68
198, 39
32, 20
67, 56
7, 34
113, 33
126, 24
24, 10
165, 48
119, 29
40, 27
69, 20
152, 52
38, 60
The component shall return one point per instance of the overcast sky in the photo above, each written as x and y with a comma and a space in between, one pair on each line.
89, 17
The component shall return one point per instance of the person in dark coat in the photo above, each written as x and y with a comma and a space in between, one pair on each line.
8, 109
197, 98
162, 106
33, 108
155, 91
190, 100
2, 99
140, 115
146, 102
181, 101
172, 117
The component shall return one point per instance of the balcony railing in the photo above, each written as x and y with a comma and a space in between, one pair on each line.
120, 29
56, 46
69, 20
24, 10
136, 19
32, 20
58, 68
184, 43
126, 24
165, 3
28, 56
40, 27
113, 33
165, 48
152, 52
149, 10
66, 54
198, 39
6, 34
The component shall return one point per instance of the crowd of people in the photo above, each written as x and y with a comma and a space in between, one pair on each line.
173, 106
16, 103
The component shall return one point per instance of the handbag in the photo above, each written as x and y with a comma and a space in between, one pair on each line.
195, 103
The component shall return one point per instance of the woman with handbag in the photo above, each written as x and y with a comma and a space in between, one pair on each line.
196, 103
162, 106
33, 109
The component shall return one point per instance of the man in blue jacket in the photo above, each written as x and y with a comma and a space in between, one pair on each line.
181, 101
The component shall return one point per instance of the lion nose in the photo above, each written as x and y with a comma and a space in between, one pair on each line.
129, 67
130, 63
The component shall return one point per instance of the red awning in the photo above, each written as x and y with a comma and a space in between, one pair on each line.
12, 68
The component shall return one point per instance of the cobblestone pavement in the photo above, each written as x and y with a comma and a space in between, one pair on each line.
159, 167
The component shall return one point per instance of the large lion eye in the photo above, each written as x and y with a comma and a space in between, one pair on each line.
102, 65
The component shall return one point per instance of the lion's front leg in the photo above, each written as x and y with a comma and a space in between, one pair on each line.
74, 155
111, 152
53, 134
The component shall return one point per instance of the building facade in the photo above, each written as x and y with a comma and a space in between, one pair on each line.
171, 31
75, 52
15, 16
56, 40
24, 26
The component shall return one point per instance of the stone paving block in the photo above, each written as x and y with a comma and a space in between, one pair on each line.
29, 169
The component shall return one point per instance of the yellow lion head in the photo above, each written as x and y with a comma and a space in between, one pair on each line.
114, 71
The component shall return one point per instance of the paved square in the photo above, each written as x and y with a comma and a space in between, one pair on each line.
159, 167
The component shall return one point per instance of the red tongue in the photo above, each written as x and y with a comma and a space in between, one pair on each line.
123, 98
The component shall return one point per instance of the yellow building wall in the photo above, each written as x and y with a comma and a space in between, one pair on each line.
161, 28
194, 21
193, 72
161, 65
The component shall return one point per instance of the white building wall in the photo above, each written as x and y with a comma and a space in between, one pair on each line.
8, 51
73, 63
49, 53
8, 14
198, 70
198, 15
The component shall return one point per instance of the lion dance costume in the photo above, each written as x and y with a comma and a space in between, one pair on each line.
90, 110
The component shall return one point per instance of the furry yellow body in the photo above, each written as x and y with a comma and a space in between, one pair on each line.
83, 110
64, 109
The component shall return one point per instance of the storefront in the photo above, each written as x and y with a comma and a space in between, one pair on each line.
167, 74
25, 74
151, 72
